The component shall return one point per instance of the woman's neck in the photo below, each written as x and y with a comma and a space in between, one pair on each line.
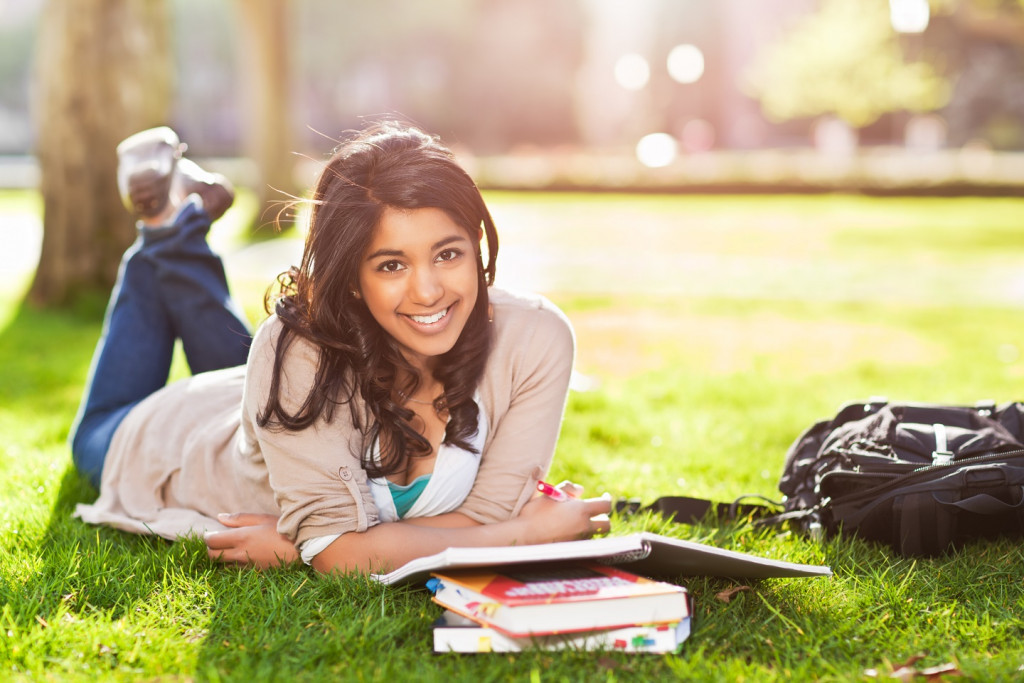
426, 391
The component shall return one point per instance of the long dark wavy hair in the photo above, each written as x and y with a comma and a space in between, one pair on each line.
392, 165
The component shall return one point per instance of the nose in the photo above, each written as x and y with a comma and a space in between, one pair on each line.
425, 287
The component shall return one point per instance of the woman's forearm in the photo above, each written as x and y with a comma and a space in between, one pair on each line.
447, 520
385, 547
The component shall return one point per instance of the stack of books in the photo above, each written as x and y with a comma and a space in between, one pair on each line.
554, 606
506, 599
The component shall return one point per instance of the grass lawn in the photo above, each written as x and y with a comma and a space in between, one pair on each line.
711, 331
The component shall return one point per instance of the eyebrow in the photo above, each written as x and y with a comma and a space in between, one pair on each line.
433, 247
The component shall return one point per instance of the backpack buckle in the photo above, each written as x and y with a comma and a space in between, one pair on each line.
941, 455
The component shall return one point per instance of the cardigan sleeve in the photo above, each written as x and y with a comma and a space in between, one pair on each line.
530, 367
315, 473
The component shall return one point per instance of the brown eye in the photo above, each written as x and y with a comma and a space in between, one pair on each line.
389, 267
449, 255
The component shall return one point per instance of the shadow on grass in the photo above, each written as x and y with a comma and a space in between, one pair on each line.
76, 586
44, 360
44, 356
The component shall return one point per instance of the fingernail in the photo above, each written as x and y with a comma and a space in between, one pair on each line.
221, 515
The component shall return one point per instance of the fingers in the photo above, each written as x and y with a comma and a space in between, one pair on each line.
242, 556
221, 547
224, 556
220, 540
254, 542
242, 519
234, 556
572, 488
599, 506
228, 547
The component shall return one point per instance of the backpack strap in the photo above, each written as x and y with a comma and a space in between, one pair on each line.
687, 510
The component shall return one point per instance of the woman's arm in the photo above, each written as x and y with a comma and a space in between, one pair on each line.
254, 539
527, 388
385, 547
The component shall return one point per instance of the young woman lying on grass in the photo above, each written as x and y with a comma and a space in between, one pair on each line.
394, 403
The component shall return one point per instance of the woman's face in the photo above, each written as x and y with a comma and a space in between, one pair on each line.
419, 280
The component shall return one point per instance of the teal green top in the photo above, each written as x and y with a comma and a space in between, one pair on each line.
406, 496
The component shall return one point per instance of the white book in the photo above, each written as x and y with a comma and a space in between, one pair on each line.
456, 633
643, 553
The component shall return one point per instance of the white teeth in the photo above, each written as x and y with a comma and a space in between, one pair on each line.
428, 319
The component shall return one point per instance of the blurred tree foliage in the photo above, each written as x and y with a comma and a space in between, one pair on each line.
845, 59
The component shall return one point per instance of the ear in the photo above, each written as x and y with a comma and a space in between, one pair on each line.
356, 294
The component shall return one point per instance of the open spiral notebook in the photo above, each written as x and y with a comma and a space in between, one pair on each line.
642, 553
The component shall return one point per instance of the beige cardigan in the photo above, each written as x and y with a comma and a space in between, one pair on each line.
193, 449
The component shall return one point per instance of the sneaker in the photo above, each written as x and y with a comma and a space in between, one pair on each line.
146, 163
154, 178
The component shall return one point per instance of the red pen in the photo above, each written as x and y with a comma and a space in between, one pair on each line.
551, 492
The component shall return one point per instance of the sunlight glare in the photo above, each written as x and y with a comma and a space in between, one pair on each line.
656, 150
909, 16
686, 63
632, 71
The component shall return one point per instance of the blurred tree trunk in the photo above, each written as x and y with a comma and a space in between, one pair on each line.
264, 64
104, 71
991, 22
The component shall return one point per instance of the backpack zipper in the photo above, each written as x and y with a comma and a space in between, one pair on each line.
927, 469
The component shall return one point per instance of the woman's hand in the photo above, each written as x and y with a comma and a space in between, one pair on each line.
252, 540
549, 520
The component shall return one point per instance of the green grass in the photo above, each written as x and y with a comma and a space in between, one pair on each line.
713, 330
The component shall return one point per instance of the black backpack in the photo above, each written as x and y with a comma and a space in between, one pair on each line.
921, 478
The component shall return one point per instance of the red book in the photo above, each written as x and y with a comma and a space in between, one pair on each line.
551, 598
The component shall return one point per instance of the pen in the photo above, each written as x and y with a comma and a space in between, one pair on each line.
551, 492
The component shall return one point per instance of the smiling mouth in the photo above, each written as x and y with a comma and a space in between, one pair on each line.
430, 319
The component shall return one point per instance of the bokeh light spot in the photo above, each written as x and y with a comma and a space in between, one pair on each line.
686, 63
657, 150
632, 71
909, 16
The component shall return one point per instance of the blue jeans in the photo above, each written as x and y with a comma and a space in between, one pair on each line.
170, 286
